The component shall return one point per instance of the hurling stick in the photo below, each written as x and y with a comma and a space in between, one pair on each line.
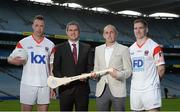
54, 82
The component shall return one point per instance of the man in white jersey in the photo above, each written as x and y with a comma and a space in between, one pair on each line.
36, 69
148, 69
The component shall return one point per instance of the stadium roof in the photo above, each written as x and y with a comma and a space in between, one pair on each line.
146, 7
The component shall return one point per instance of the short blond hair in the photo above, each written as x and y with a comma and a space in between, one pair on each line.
113, 27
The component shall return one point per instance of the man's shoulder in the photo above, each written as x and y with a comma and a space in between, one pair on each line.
48, 40
122, 46
26, 39
152, 42
133, 45
61, 45
84, 44
100, 46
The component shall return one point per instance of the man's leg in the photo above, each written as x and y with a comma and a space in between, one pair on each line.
152, 99
42, 107
25, 107
118, 103
66, 102
43, 98
103, 102
154, 110
81, 101
27, 97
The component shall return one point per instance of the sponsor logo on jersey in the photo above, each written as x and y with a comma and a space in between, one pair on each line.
37, 59
46, 49
30, 47
131, 53
138, 64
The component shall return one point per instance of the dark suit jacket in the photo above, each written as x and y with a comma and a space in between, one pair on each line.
64, 66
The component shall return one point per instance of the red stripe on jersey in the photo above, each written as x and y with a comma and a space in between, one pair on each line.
157, 50
38, 41
53, 50
19, 45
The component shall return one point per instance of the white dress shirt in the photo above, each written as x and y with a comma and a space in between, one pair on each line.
108, 53
77, 46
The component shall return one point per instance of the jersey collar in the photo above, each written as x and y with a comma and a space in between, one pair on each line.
38, 42
142, 43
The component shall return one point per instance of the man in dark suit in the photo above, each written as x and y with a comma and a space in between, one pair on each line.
70, 59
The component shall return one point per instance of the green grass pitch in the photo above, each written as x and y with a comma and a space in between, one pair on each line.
14, 105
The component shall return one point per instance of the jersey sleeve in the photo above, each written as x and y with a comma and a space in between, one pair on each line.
19, 45
158, 56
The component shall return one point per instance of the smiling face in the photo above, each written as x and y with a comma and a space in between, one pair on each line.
110, 34
140, 30
73, 32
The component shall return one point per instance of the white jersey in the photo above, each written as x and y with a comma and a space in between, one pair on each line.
145, 60
36, 69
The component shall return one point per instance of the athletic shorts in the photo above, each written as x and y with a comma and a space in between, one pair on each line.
145, 100
34, 94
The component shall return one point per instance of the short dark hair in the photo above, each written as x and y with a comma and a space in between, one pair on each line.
73, 23
39, 17
141, 21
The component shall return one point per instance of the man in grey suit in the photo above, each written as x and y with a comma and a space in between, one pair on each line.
111, 86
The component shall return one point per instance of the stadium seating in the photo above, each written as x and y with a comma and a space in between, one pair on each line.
17, 16
12, 76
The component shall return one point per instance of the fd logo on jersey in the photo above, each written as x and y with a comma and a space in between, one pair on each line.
37, 59
138, 64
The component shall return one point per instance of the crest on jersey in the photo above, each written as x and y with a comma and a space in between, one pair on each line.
146, 52
46, 49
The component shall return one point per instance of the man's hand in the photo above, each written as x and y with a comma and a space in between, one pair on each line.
17, 61
93, 75
53, 93
113, 73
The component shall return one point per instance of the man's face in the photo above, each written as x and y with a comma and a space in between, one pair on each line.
109, 35
73, 32
140, 31
38, 27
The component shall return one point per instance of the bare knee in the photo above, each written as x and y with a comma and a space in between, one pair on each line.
42, 107
154, 110
26, 107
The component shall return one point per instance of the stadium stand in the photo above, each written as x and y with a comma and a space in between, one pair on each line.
17, 16
10, 82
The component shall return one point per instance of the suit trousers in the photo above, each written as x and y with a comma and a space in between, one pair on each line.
77, 99
105, 101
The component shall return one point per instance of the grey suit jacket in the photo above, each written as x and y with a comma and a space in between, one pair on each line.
120, 60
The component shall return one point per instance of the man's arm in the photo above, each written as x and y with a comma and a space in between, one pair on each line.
16, 61
52, 91
127, 68
161, 71
90, 61
56, 63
